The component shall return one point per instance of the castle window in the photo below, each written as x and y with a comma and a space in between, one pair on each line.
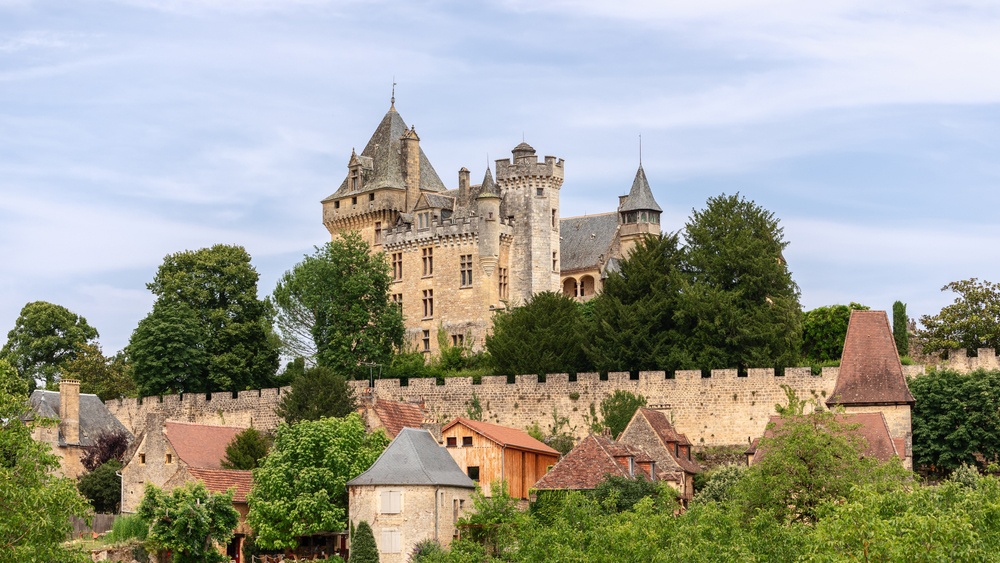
354, 200
378, 232
540, 192
466, 269
397, 298
502, 285
428, 305
457, 339
371, 196
424, 220
553, 218
397, 266
427, 340
336, 204
555, 262
428, 257
354, 179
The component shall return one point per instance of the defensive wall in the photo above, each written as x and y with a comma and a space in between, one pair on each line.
717, 408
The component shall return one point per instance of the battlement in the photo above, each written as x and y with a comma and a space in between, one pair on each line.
529, 166
449, 228
961, 361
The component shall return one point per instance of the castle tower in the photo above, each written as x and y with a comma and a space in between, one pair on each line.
871, 377
530, 192
638, 213
488, 209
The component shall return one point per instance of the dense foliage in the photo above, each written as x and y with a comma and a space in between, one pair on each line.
617, 410
363, 548
319, 392
108, 378
103, 448
102, 487
900, 328
824, 330
44, 338
208, 330
189, 522
246, 450
339, 298
300, 488
971, 322
545, 335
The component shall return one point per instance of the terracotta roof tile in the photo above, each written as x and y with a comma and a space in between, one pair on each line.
583, 468
200, 445
870, 372
872, 427
221, 480
396, 416
665, 431
503, 435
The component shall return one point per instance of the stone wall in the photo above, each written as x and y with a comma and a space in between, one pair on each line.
960, 360
722, 409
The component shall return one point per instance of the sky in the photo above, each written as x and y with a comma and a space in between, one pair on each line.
133, 129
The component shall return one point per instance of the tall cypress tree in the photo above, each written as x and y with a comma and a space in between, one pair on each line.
899, 328
363, 548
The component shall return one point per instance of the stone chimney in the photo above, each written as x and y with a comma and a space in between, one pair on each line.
69, 410
411, 167
463, 187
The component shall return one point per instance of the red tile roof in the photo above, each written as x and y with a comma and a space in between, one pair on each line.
221, 480
668, 435
589, 463
200, 445
503, 435
870, 372
871, 426
396, 416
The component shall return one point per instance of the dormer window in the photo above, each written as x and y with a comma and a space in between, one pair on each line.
356, 178
424, 220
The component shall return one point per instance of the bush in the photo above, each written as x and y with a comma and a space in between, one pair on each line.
720, 483
103, 487
363, 548
426, 549
127, 528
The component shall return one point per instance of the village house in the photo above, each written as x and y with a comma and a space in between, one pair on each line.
871, 426
489, 452
592, 461
414, 491
650, 431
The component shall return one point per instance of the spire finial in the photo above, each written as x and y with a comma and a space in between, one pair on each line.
392, 100
640, 150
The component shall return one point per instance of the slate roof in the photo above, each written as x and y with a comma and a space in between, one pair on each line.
396, 416
870, 372
221, 480
503, 435
667, 434
385, 151
414, 458
589, 463
200, 445
95, 418
439, 201
488, 188
640, 196
582, 240
872, 427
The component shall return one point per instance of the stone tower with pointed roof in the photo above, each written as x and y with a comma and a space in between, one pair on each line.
871, 378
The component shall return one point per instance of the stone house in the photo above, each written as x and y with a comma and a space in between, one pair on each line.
457, 255
650, 431
871, 378
871, 426
489, 452
414, 491
594, 459
82, 418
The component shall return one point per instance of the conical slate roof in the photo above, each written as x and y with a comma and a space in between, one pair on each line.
640, 197
870, 372
386, 154
489, 187
414, 458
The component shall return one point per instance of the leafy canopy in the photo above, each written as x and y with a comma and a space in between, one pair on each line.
44, 338
246, 450
545, 335
971, 322
168, 351
617, 410
319, 392
108, 378
189, 521
824, 330
102, 487
300, 489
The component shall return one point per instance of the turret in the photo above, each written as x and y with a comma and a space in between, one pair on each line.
638, 213
488, 209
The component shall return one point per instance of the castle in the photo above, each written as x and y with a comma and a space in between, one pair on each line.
457, 255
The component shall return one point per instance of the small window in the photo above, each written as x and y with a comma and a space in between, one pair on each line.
553, 218
466, 441
502, 283
391, 502
170, 458
428, 303
539, 192
336, 204
452, 441
371, 197
457, 339
427, 254
354, 200
142, 459
555, 262
397, 266
427, 341
473, 472
397, 298
465, 268
390, 541
378, 232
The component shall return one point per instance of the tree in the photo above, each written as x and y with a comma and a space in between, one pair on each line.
108, 378
300, 489
742, 305
218, 285
618, 494
44, 338
617, 410
494, 521
105, 447
971, 322
102, 487
634, 317
824, 330
900, 328
340, 296
36, 503
168, 351
189, 521
317, 393
246, 450
545, 335
721, 483
363, 548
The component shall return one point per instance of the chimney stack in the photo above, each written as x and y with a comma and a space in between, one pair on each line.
69, 410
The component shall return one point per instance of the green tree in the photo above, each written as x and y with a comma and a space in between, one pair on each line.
36, 503
103, 487
340, 296
634, 318
219, 286
168, 351
618, 494
617, 410
742, 305
246, 450
44, 338
545, 335
363, 548
824, 330
494, 522
721, 483
317, 393
971, 322
300, 489
108, 378
189, 521
900, 328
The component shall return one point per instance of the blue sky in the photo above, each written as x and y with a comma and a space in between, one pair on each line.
132, 129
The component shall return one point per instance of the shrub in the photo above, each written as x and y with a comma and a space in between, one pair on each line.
363, 549
127, 528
